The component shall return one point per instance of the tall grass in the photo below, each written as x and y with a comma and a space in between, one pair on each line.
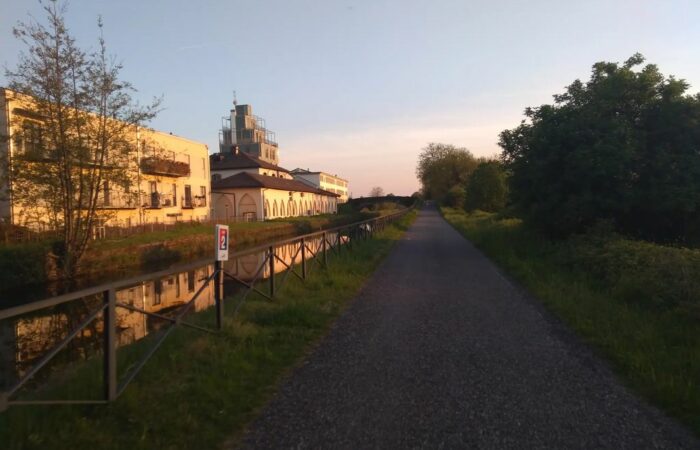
635, 302
200, 390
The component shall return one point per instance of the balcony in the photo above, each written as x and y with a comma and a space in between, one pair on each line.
157, 200
164, 167
117, 201
194, 202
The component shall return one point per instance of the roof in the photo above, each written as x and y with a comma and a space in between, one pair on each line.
299, 171
240, 160
255, 180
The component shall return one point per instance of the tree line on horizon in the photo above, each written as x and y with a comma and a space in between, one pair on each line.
621, 149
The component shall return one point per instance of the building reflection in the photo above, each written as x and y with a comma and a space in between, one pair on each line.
24, 340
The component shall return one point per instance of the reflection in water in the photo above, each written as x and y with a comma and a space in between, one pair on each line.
246, 267
25, 339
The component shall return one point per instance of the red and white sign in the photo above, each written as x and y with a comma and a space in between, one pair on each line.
222, 239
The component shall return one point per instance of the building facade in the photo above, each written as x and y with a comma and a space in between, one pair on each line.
245, 188
325, 181
168, 176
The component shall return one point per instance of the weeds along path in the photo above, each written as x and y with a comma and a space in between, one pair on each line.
439, 350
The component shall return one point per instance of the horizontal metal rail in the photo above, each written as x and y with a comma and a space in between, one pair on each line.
343, 235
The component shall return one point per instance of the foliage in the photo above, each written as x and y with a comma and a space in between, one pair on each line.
376, 191
621, 147
73, 137
636, 302
441, 167
455, 196
487, 188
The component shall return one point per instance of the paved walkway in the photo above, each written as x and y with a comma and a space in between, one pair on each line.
441, 351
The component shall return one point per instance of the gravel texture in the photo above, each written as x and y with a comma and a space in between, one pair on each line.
440, 350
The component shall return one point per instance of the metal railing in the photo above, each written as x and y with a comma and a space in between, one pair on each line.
313, 247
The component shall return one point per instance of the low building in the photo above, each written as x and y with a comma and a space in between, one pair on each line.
248, 189
167, 178
325, 181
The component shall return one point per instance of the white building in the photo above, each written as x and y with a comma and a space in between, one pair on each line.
246, 182
247, 188
325, 181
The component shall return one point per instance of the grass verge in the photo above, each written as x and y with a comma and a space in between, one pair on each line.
641, 318
200, 390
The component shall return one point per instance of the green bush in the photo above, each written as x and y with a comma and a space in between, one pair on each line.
23, 264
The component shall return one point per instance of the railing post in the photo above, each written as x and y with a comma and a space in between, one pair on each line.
109, 315
272, 271
303, 258
325, 254
219, 294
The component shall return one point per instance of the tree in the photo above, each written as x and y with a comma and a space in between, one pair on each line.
622, 147
376, 192
73, 140
455, 196
441, 167
487, 188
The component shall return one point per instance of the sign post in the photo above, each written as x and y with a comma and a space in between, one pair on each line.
221, 254
222, 239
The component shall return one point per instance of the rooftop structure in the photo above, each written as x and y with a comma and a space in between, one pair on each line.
247, 132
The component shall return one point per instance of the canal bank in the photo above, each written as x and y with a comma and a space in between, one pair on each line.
199, 387
27, 271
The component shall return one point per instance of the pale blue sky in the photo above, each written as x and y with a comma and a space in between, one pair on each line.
357, 88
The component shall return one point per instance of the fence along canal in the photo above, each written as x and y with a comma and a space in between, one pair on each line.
42, 339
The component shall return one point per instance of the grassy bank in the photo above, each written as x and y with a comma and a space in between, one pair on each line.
636, 303
145, 250
200, 390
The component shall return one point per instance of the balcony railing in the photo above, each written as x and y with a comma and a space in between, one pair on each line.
158, 200
117, 201
196, 201
165, 167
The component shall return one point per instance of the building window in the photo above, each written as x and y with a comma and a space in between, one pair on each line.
187, 201
202, 196
105, 193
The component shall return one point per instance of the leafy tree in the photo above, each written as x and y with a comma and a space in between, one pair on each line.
376, 192
77, 134
487, 188
622, 147
442, 167
455, 196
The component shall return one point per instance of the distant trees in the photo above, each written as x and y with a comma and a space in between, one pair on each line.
443, 169
73, 139
487, 188
622, 147
376, 191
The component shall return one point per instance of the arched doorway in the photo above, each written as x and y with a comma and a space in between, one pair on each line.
225, 206
247, 208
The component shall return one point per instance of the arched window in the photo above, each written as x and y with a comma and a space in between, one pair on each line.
282, 212
266, 214
274, 209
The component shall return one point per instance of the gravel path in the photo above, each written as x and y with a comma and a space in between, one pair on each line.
440, 350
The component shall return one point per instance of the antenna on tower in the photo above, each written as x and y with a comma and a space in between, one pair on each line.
235, 101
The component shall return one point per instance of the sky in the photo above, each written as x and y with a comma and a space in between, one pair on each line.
358, 88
